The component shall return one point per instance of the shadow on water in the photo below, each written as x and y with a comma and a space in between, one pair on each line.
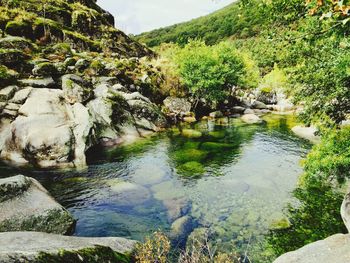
225, 177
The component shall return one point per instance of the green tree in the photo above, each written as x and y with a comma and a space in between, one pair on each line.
209, 72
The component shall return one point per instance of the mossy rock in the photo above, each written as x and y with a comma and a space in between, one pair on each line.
63, 49
19, 28
191, 169
54, 221
7, 76
45, 69
47, 30
81, 42
20, 43
186, 155
191, 133
217, 134
216, 146
97, 254
13, 58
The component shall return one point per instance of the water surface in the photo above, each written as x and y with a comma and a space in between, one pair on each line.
227, 177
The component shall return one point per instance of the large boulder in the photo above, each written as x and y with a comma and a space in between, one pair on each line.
42, 247
307, 133
334, 249
48, 132
251, 119
26, 206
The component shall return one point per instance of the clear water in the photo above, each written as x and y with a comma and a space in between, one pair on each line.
231, 178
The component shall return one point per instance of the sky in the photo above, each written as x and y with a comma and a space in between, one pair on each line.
136, 16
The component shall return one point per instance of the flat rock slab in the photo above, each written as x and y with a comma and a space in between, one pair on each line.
43, 247
334, 249
25, 205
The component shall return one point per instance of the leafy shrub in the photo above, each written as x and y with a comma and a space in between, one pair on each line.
155, 249
209, 72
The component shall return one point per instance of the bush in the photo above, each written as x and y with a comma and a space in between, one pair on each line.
210, 72
155, 249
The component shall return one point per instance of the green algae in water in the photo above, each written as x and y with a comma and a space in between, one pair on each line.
191, 133
183, 156
191, 169
216, 146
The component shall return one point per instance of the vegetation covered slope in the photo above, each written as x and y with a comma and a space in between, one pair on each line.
211, 28
82, 23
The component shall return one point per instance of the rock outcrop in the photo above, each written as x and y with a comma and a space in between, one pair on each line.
334, 249
69, 80
307, 133
43, 247
26, 206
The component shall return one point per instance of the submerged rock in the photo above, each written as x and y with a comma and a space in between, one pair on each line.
26, 206
43, 247
191, 133
333, 249
251, 119
180, 228
128, 193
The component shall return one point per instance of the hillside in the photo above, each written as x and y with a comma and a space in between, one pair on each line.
226, 22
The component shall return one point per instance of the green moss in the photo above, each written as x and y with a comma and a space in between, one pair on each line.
6, 76
191, 133
186, 155
19, 28
191, 169
46, 69
218, 134
216, 147
55, 221
280, 224
97, 254
82, 42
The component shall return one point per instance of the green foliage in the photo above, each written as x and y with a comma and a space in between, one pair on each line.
156, 248
209, 72
330, 160
273, 81
232, 20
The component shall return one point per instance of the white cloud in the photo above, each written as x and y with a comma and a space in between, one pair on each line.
136, 16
